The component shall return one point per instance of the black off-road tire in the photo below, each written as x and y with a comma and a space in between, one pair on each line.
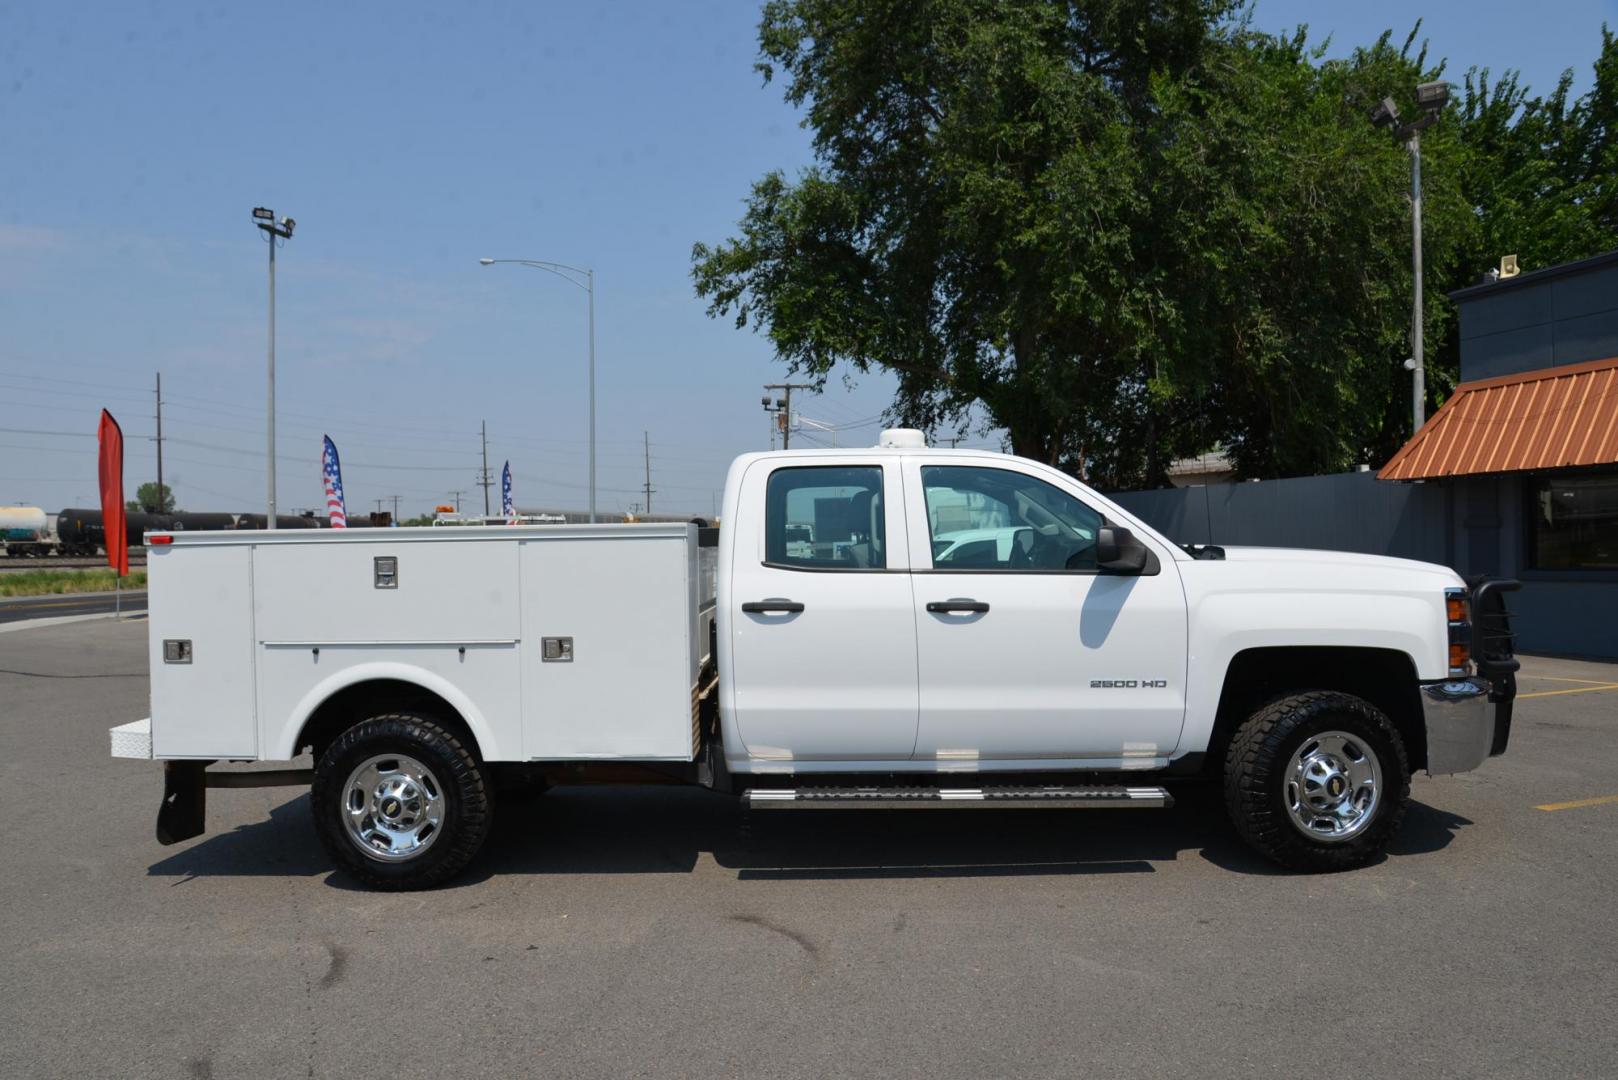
1254, 784
467, 798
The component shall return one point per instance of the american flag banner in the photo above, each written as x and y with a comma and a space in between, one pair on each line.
507, 506
332, 470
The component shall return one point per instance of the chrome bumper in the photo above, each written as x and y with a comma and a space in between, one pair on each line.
1460, 718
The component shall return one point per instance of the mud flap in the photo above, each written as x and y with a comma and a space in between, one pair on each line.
185, 801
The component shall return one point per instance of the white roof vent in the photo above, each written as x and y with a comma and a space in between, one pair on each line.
903, 438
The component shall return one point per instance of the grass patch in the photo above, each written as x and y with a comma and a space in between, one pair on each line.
54, 582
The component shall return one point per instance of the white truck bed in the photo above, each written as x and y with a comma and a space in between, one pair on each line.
276, 622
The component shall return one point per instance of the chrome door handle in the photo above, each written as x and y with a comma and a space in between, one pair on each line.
946, 607
773, 604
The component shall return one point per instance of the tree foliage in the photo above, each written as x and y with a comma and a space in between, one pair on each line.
146, 500
1125, 231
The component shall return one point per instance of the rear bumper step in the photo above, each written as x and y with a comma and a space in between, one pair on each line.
1088, 797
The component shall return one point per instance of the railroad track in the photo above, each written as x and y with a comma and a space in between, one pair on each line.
62, 562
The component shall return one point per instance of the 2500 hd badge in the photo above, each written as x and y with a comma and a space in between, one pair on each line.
1127, 684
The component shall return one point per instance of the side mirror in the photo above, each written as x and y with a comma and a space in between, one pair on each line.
1118, 551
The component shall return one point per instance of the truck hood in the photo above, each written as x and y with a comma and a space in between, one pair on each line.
1336, 560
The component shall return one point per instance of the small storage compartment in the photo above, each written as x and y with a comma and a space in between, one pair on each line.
609, 650
201, 651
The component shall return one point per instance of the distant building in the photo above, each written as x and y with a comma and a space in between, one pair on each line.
1528, 444
1214, 467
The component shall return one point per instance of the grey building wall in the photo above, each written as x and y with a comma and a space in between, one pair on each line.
1340, 512
1562, 315
1475, 525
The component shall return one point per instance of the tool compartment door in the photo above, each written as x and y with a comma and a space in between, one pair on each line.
617, 681
202, 704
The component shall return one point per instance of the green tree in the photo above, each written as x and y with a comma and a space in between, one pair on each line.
1542, 171
1120, 231
146, 500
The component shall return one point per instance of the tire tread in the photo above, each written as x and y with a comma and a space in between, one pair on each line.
472, 803
1258, 752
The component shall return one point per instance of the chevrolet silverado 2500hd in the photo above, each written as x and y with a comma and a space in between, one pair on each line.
891, 627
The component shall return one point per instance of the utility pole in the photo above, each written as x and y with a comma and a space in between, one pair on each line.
647, 436
783, 408
395, 499
162, 502
457, 495
483, 477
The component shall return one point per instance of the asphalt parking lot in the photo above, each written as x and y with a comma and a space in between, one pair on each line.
619, 932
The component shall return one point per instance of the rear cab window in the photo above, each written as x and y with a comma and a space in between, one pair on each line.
825, 517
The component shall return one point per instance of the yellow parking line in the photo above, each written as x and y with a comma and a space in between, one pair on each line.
1560, 678
1601, 800
1574, 690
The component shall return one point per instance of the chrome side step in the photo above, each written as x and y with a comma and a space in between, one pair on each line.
1088, 797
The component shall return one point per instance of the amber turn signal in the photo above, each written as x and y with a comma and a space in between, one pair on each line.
1456, 608
1459, 655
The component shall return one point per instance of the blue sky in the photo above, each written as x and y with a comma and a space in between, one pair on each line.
408, 140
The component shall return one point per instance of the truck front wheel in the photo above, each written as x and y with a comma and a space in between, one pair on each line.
399, 802
1317, 781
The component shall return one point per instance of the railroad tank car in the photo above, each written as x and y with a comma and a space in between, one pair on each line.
80, 531
282, 521
24, 530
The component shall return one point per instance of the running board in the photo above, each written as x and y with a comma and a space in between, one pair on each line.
1093, 797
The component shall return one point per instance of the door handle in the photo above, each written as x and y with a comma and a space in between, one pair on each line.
773, 604
945, 607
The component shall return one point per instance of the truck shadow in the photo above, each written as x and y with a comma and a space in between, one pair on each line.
666, 830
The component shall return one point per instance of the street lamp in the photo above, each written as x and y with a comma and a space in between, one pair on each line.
273, 230
586, 280
1430, 99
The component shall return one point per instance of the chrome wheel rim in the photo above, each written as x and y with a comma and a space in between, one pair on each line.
393, 808
1332, 787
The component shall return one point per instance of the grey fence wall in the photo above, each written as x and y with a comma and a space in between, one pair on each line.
1341, 512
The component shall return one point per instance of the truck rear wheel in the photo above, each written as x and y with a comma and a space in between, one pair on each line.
399, 802
1317, 781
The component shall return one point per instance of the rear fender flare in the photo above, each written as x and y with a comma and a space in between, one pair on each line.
284, 741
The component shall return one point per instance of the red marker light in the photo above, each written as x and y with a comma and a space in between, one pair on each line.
159, 539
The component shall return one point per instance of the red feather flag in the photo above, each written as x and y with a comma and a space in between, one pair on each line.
113, 522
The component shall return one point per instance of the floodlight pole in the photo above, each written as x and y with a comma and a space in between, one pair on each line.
269, 427
264, 218
1418, 385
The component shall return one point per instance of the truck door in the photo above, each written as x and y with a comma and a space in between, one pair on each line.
1025, 650
820, 613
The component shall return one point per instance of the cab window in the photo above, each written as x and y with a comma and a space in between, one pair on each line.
825, 518
994, 519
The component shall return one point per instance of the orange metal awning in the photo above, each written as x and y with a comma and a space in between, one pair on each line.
1553, 418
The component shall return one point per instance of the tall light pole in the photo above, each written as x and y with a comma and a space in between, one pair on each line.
585, 279
1430, 99
273, 230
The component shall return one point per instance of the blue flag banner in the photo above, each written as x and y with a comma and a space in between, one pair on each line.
332, 470
507, 506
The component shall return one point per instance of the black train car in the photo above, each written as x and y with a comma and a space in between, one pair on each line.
82, 532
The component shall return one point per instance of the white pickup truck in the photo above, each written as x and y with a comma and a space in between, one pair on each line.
894, 627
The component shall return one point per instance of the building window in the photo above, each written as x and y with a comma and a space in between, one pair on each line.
1573, 521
